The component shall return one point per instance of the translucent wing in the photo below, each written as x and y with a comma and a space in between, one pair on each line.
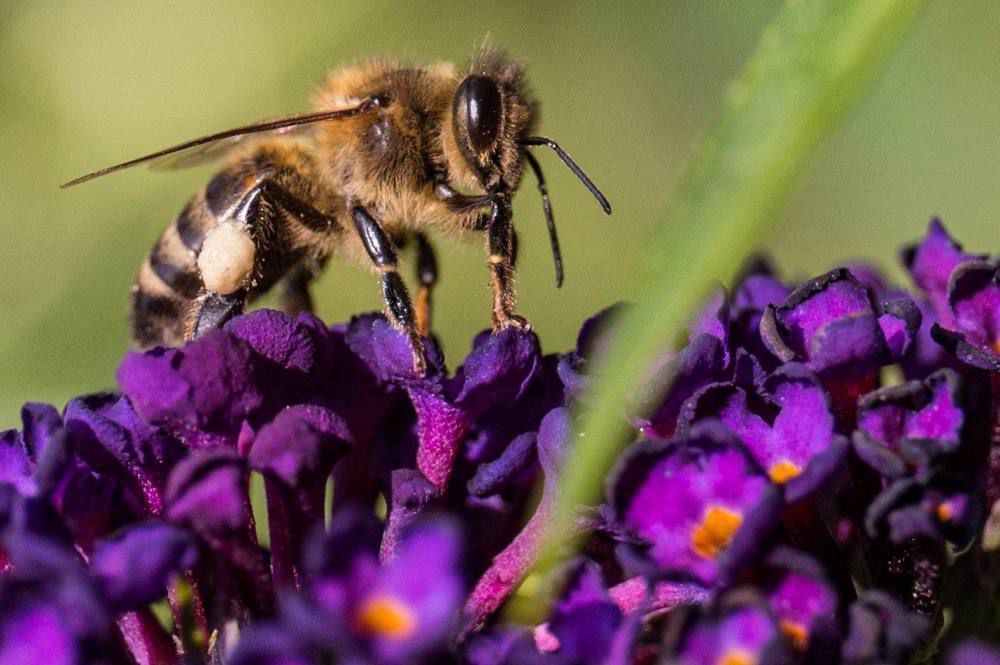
214, 146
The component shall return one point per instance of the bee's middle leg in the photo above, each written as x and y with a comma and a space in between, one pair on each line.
397, 298
427, 276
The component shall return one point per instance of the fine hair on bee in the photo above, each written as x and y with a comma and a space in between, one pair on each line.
390, 151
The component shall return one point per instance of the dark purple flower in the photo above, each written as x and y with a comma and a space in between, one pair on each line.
594, 338
15, 467
742, 635
943, 506
973, 652
802, 600
585, 623
50, 610
974, 301
295, 345
882, 631
788, 427
702, 505
515, 460
931, 263
701, 362
831, 324
202, 392
754, 293
400, 611
207, 493
38, 423
134, 566
509, 567
497, 371
110, 437
299, 447
91, 502
909, 425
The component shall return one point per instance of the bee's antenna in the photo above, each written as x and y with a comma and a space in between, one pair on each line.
550, 221
568, 161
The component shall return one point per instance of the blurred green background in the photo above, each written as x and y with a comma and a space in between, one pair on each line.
628, 90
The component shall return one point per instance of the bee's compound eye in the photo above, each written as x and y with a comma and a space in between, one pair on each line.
226, 258
479, 98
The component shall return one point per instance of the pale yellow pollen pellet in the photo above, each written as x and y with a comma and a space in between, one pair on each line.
227, 257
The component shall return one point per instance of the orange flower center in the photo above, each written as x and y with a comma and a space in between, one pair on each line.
796, 632
715, 531
736, 657
945, 512
387, 617
783, 471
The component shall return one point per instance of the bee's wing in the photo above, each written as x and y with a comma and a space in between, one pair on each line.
214, 146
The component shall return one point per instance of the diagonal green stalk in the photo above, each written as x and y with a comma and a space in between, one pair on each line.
808, 70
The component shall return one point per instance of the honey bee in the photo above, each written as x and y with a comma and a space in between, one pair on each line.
390, 151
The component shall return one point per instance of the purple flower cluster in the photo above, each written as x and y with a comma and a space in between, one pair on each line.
819, 484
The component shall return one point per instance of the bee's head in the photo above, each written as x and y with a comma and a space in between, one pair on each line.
491, 111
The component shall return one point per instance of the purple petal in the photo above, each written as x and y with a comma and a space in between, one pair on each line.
700, 363
201, 392
208, 491
584, 620
301, 444
973, 652
430, 599
497, 370
882, 630
701, 503
39, 423
974, 297
931, 263
410, 494
134, 566
745, 632
801, 597
827, 322
291, 343
15, 468
516, 458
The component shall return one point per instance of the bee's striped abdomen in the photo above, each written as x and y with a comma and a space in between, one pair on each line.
169, 282
242, 233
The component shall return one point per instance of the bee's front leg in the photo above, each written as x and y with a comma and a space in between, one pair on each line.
397, 298
501, 247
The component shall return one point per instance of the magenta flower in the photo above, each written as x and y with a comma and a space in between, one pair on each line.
787, 426
701, 505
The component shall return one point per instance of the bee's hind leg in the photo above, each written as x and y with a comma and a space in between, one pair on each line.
212, 310
397, 298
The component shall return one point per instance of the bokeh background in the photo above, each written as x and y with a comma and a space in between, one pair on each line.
627, 88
